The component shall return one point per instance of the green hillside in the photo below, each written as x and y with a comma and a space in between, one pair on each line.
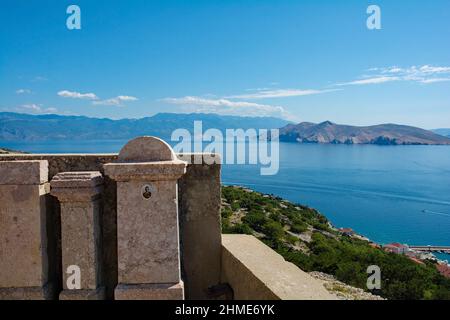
305, 237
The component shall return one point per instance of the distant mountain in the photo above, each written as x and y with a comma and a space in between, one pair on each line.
6, 151
25, 127
383, 134
442, 132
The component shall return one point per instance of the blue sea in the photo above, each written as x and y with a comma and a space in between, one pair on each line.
387, 193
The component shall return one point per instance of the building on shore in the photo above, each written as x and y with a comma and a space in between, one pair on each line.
396, 247
443, 269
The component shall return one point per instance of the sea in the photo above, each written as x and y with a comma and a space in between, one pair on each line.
386, 193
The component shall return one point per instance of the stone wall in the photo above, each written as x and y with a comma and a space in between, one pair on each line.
147, 234
200, 228
199, 210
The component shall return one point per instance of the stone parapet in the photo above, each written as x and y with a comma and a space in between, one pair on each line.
199, 210
130, 225
199, 214
256, 272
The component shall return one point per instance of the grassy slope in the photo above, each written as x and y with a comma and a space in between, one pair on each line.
305, 237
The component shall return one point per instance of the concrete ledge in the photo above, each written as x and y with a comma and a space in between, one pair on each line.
256, 272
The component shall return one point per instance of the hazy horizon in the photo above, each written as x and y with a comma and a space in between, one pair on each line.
215, 114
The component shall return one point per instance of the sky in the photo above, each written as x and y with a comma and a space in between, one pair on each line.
299, 60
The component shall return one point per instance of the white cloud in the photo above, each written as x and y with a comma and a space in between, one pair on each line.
77, 95
117, 101
421, 74
418, 70
127, 98
227, 107
265, 93
38, 79
23, 91
374, 80
36, 108
31, 106
199, 101
435, 80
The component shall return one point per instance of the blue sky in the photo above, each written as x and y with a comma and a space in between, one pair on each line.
300, 60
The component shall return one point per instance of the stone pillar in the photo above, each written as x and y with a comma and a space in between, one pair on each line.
200, 222
147, 220
24, 236
81, 232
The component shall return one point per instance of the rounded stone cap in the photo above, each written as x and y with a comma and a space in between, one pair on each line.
145, 149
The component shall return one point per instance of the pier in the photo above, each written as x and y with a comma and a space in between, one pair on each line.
439, 249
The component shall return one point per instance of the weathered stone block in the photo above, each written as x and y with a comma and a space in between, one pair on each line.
26, 172
79, 193
24, 238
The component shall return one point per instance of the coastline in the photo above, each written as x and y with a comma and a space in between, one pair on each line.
420, 255
305, 237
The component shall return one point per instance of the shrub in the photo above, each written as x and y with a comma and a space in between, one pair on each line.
273, 230
299, 227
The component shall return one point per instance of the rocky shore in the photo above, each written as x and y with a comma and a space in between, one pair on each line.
341, 290
6, 151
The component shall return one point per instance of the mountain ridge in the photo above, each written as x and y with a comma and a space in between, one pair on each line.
442, 131
381, 134
26, 127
